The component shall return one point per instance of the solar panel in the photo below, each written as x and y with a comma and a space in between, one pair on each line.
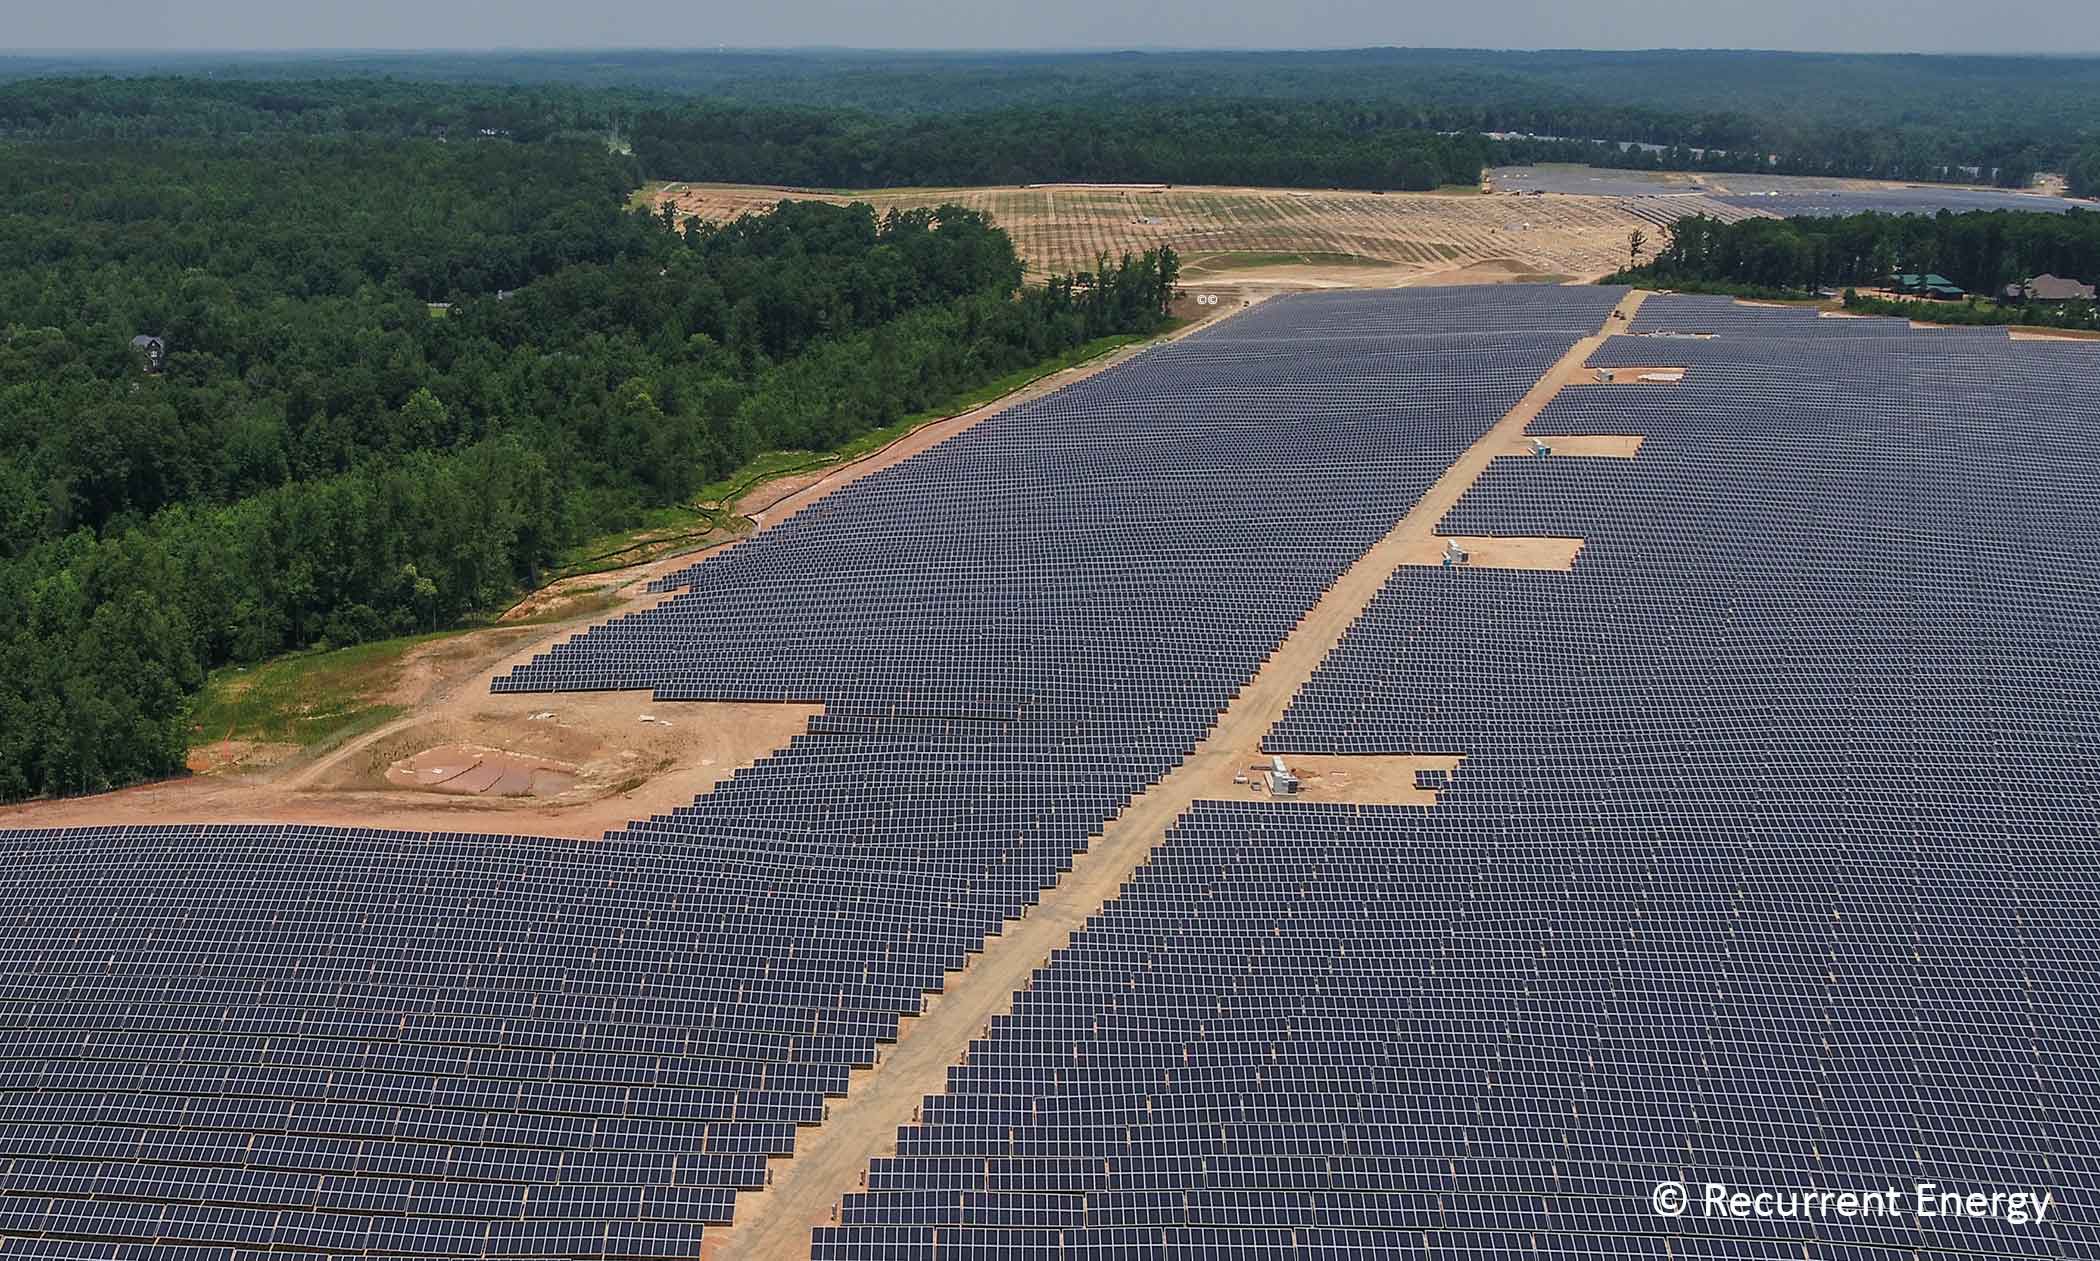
464, 1045
1772, 865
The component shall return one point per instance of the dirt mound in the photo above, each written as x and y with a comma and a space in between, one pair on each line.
472, 771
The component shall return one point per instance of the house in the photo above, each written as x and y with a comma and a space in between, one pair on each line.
2048, 288
1928, 285
152, 351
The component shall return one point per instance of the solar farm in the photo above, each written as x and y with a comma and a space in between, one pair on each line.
1339, 238
1330, 237
1736, 662
1666, 197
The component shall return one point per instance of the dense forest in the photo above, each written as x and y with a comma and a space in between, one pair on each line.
1981, 251
1265, 144
2083, 174
1377, 118
324, 457
1971, 111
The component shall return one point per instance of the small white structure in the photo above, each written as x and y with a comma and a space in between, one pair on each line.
1281, 782
1454, 554
1605, 376
1539, 446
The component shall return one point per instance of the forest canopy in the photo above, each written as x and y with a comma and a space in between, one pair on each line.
320, 458
1371, 118
1982, 251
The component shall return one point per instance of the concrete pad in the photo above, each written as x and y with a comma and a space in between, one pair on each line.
1656, 374
1498, 552
1385, 779
1607, 446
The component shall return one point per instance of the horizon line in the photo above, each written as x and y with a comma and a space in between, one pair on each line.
1047, 50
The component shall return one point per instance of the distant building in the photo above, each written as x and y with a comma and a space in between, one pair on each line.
1928, 285
152, 351
2048, 288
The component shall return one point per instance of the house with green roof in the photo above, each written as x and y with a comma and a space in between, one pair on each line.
1927, 285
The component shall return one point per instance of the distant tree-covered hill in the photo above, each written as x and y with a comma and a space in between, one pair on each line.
1909, 117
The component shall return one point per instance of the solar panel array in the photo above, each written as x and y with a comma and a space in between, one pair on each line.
357, 1041
1920, 200
1665, 210
1771, 864
1710, 315
1780, 196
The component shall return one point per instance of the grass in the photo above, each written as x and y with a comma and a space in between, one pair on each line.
306, 698
648, 196
660, 530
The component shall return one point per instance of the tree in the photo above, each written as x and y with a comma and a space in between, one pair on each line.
1636, 245
422, 592
423, 421
2082, 175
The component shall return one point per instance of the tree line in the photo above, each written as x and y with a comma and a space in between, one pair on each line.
326, 458
1373, 119
1284, 145
1982, 251
1850, 153
2083, 174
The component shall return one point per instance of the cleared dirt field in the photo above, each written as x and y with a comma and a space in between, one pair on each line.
1292, 237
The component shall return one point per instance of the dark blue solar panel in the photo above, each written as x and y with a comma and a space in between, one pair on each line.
335, 1041
1771, 863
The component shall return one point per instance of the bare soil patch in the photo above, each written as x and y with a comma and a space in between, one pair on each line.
1364, 779
469, 770
1655, 375
227, 755
1292, 237
1609, 446
2042, 333
1498, 552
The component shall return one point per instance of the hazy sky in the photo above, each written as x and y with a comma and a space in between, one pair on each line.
1834, 25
